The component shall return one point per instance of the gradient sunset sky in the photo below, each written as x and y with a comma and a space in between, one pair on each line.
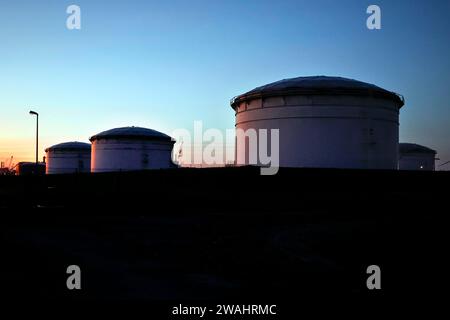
165, 64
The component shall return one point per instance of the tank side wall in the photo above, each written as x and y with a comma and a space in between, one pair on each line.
330, 132
68, 162
424, 162
126, 155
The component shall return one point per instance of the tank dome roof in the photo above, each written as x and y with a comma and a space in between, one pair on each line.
70, 146
131, 133
414, 148
317, 85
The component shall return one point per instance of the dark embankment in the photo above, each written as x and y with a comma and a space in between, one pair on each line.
220, 234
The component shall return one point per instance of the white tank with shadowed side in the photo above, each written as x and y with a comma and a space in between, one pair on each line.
416, 157
68, 157
131, 148
324, 122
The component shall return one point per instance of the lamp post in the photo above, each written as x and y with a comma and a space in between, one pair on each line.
37, 136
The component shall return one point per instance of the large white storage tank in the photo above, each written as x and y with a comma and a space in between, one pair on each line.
416, 157
329, 122
131, 148
68, 157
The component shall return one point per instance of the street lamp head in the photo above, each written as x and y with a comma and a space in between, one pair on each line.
34, 112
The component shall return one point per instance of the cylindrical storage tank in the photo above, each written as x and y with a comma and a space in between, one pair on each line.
30, 168
416, 157
328, 122
131, 148
68, 157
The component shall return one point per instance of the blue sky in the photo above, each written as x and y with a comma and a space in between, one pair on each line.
164, 64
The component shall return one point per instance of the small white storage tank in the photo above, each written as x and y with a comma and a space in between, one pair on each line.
328, 122
416, 157
68, 157
131, 148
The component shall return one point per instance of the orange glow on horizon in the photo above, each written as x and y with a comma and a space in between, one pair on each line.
20, 149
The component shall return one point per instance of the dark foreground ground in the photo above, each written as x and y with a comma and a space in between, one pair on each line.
220, 235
